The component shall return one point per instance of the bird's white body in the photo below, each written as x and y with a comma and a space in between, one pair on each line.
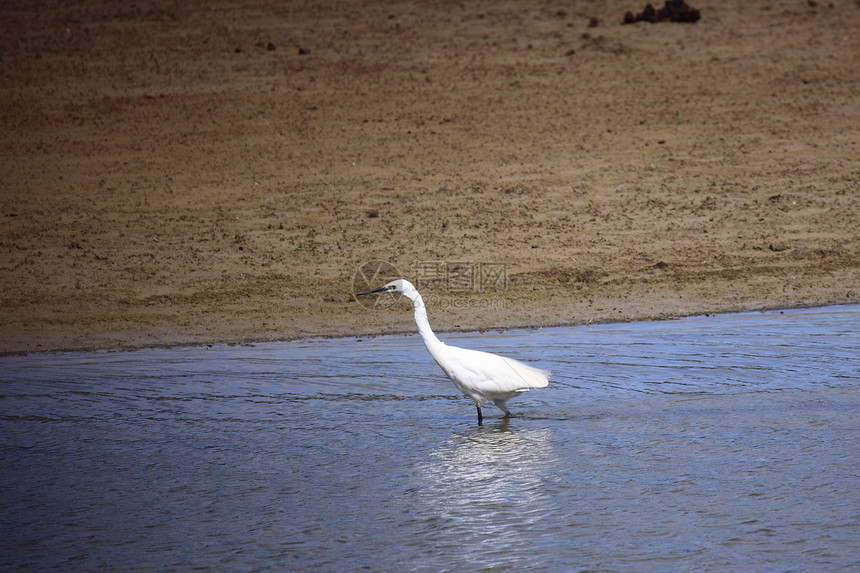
487, 377
481, 376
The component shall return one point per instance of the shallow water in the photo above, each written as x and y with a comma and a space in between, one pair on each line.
727, 443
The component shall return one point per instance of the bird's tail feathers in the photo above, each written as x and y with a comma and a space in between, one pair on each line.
532, 377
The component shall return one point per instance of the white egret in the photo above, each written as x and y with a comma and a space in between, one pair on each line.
481, 376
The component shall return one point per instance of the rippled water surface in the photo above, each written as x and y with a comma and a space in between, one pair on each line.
728, 443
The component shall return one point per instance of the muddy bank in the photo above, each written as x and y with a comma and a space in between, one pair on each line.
188, 174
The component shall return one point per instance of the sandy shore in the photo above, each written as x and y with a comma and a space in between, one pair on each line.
187, 174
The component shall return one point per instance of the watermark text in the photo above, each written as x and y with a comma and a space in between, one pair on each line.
460, 276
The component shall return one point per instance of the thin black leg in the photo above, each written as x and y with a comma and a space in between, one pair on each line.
480, 415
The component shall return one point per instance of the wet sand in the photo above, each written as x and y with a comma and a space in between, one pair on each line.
188, 174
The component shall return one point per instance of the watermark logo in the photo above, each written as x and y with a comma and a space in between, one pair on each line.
373, 274
459, 278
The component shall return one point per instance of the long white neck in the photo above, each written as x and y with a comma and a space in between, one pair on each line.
430, 340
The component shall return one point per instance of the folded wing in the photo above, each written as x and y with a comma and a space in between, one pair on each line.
492, 375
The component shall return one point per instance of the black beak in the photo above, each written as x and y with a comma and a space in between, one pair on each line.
371, 291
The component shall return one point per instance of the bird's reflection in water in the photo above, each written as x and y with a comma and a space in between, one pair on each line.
485, 486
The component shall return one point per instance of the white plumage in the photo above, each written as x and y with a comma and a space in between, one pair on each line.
481, 376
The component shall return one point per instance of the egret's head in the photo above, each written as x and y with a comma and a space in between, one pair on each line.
399, 286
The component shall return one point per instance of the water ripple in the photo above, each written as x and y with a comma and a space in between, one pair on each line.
713, 443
